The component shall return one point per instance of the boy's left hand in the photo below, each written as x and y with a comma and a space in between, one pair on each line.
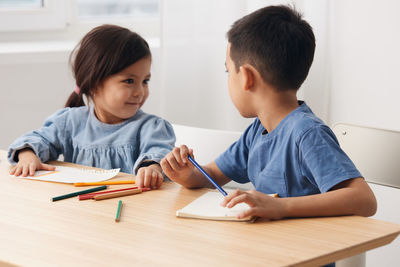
261, 205
150, 176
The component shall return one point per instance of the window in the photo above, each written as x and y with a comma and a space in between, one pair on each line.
24, 15
20, 4
141, 16
89, 9
74, 18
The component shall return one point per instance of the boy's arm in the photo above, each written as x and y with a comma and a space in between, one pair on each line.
350, 197
178, 168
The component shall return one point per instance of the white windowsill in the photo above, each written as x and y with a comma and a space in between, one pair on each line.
36, 47
44, 51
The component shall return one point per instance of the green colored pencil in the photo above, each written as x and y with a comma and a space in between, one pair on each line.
74, 194
118, 211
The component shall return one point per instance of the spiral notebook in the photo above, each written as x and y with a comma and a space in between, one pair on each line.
208, 207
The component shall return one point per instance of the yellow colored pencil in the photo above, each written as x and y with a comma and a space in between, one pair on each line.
106, 183
47, 173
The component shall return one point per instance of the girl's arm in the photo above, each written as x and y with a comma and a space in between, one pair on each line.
149, 176
47, 143
28, 163
157, 138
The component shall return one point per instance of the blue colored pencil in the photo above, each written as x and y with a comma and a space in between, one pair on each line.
207, 176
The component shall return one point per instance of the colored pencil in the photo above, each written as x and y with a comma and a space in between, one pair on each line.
91, 195
118, 211
207, 176
74, 194
118, 194
47, 173
106, 183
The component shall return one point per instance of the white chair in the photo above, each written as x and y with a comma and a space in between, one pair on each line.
207, 145
376, 153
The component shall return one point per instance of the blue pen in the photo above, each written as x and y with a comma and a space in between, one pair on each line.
207, 176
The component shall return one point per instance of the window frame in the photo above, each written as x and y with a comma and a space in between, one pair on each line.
53, 15
68, 27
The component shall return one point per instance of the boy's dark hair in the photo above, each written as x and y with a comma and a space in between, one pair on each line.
104, 51
277, 42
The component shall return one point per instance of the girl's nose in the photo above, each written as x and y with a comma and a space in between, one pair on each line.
138, 92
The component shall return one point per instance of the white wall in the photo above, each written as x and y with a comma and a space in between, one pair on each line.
193, 72
365, 63
195, 85
32, 87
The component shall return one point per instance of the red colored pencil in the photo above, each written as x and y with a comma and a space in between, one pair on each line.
91, 195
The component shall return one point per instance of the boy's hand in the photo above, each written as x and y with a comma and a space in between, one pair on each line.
261, 205
176, 164
150, 176
28, 163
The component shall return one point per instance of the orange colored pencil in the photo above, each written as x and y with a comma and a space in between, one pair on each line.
106, 183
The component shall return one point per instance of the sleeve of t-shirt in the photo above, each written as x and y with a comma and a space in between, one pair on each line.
322, 160
157, 139
47, 142
233, 162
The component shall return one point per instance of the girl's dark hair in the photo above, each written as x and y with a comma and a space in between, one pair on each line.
104, 51
277, 42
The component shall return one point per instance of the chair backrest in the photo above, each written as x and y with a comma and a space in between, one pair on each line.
375, 152
207, 144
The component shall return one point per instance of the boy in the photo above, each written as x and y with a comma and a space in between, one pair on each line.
287, 149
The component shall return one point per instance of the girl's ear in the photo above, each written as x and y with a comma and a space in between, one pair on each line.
248, 76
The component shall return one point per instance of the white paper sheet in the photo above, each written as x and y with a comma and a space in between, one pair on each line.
64, 174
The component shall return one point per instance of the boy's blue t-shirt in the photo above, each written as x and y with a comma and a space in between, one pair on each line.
301, 156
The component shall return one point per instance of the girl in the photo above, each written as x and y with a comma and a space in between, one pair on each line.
111, 66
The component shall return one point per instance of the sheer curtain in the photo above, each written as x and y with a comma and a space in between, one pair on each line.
193, 47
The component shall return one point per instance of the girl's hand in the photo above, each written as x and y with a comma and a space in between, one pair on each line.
176, 164
28, 163
261, 205
150, 176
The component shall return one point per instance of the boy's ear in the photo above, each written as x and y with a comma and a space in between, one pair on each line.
248, 76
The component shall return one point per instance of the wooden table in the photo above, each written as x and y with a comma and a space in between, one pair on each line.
37, 232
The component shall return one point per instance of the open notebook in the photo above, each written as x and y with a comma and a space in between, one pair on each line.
208, 207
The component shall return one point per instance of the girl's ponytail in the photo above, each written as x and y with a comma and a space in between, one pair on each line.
75, 99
